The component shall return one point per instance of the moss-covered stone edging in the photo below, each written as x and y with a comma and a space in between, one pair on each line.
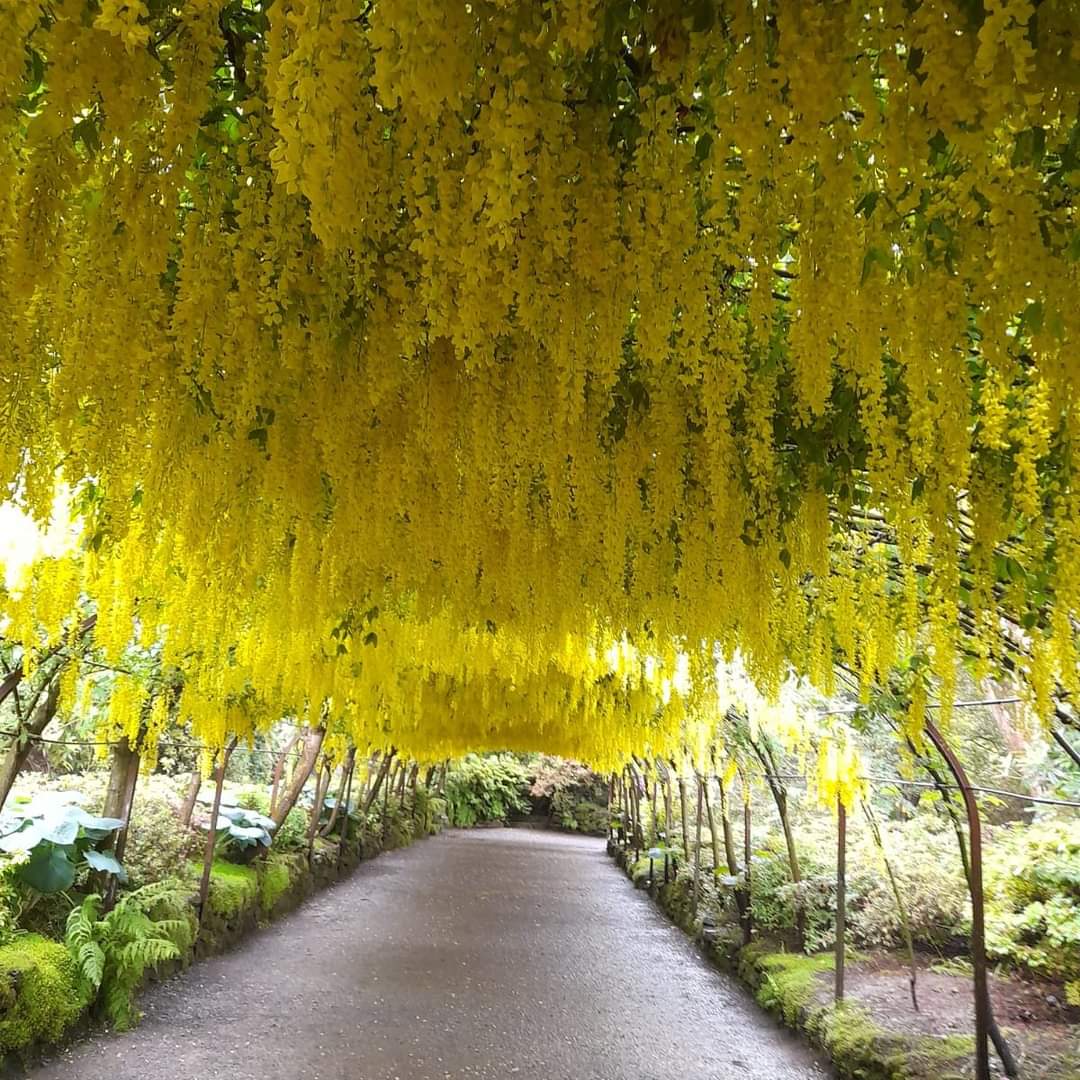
789, 985
41, 1006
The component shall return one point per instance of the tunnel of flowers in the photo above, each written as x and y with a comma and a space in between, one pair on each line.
598, 378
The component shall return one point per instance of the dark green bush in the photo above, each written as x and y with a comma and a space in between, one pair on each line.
482, 788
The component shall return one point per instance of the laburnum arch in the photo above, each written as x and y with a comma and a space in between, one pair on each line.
478, 374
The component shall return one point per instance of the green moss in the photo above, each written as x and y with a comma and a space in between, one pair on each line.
276, 880
857, 1046
788, 981
39, 992
233, 889
932, 1053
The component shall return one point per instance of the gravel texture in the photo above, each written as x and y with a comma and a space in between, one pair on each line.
486, 954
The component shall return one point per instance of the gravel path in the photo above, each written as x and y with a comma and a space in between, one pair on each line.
486, 954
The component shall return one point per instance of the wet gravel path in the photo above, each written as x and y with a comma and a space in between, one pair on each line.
488, 954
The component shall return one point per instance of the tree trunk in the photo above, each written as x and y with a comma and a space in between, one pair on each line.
779, 794
669, 808
279, 771
313, 740
194, 786
986, 1028
742, 896
682, 815
211, 832
344, 834
380, 777
19, 748
346, 775
714, 838
125, 761
119, 794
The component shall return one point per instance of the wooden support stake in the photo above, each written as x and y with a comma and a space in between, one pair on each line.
841, 898
748, 922
322, 782
697, 849
343, 836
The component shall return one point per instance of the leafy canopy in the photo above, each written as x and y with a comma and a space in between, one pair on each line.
469, 375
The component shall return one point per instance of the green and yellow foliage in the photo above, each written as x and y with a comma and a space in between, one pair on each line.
672, 330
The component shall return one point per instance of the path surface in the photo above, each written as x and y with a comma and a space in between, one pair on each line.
488, 954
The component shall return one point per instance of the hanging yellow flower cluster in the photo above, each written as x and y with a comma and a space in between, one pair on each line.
406, 359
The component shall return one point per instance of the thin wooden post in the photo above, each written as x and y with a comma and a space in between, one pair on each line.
345, 812
322, 782
748, 922
697, 849
841, 898
387, 785
211, 835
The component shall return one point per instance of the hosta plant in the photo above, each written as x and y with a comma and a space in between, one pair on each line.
56, 839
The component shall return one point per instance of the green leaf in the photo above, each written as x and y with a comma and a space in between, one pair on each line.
22, 839
48, 870
106, 862
865, 206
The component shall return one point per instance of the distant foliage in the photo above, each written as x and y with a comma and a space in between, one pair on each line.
578, 795
1033, 884
489, 787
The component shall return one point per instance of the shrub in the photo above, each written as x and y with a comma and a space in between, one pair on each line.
925, 859
775, 899
59, 839
1033, 893
579, 813
578, 796
429, 812
39, 992
157, 841
487, 787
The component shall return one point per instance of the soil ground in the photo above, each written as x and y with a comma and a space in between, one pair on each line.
487, 954
1033, 1018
